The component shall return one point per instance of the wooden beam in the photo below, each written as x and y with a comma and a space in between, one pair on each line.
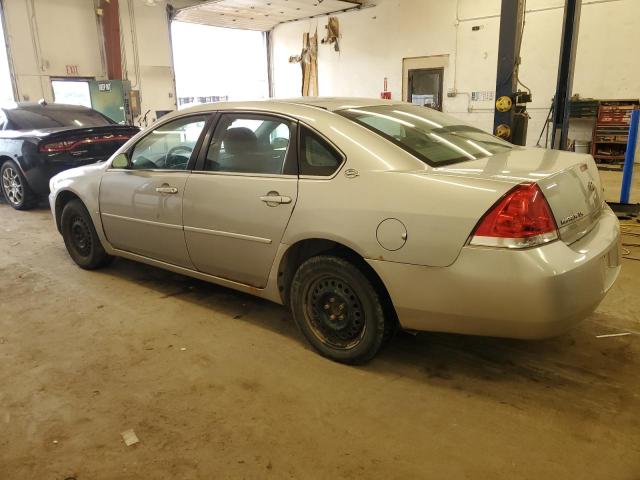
111, 36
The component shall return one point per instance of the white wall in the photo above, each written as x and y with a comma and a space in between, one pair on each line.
375, 40
39, 37
151, 36
46, 35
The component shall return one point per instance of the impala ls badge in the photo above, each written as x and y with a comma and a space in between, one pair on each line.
571, 218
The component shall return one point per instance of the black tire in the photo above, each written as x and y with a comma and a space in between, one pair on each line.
80, 237
15, 188
338, 310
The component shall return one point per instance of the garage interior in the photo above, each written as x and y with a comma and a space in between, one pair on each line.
214, 383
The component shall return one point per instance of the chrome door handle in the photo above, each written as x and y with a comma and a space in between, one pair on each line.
275, 199
171, 190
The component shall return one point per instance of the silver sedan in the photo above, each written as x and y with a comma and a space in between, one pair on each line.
360, 215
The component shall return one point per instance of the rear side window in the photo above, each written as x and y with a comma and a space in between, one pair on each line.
433, 137
52, 117
317, 156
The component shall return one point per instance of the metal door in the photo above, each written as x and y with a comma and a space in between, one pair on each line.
235, 215
141, 206
425, 87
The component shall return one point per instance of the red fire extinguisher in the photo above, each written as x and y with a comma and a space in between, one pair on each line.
385, 94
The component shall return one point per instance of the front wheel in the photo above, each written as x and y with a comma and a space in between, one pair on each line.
80, 237
338, 309
15, 188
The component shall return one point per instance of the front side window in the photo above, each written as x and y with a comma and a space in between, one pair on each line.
317, 157
430, 136
249, 143
169, 146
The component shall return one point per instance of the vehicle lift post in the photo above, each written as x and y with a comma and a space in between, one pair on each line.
627, 173
504, 118
624, 209
564, 86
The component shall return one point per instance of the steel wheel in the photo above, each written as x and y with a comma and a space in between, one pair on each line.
81, 236
335, 313
338, 309
12, 186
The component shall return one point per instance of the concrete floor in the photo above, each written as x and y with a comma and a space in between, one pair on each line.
612, 181
217, 384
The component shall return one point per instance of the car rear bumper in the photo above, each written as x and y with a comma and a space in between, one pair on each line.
533, 293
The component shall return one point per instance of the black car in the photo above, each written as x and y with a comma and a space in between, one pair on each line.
39, 140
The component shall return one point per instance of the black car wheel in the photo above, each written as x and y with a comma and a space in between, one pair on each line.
15, 188
338, 309
80, 237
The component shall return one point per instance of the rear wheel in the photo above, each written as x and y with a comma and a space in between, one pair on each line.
80, 237
15, 188
338, 309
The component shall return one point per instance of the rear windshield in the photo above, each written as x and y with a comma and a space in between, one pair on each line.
433, 137
51, 117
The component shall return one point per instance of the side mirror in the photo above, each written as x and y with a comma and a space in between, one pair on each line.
121, 161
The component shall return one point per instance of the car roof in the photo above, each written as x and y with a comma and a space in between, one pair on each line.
41, 106
335, 103
328, 104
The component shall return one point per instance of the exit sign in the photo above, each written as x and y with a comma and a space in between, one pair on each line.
72, 69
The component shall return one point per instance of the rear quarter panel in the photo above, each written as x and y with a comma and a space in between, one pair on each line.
24, 152
439, 212
11, 148
20, 151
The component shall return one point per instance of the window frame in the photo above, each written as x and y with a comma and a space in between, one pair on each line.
333, 146
290, 167
194, 154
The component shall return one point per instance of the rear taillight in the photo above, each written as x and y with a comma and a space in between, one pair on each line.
68, 145
56, 147
522, 218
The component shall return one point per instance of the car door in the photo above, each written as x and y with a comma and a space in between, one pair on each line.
239, 198
141, 206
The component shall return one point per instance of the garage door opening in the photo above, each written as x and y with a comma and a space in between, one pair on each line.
213, 64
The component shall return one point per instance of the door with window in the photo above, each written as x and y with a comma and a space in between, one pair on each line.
141, 206
238, 200
425, 87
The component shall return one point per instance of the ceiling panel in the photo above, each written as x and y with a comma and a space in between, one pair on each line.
260, 15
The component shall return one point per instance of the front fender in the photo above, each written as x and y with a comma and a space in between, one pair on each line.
84, 184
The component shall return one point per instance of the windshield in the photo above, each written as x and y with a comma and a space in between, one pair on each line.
50, 117
431, 136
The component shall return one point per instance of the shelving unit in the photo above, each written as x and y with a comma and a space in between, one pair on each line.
583, 108
611, 131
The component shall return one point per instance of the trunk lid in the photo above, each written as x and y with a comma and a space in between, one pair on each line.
570, 183
575, 198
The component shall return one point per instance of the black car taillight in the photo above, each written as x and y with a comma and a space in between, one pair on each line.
68, 145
